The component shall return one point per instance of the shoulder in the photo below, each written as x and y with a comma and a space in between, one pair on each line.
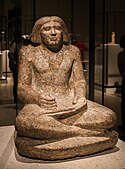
73, 49
75, 52
26, 49
26, 52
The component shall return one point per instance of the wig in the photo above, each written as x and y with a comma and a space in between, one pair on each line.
35, 35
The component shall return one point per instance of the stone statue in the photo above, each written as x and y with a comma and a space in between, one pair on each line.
113, 38
57, 121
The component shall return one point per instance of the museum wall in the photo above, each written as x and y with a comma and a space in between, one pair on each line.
75, 13
114, 19
78, 18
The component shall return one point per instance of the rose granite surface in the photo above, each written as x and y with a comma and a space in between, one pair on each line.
57, 121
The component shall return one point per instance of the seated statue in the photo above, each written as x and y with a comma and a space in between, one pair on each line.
57, 121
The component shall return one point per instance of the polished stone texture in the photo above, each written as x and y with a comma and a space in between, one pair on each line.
57, 121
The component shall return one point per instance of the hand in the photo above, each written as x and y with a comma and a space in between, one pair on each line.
47, 101
82, 101
79, 102
77, 98
66, 112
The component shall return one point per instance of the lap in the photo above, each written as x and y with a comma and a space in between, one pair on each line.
96, 116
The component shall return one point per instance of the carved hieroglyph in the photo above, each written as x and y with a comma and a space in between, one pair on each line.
57, 122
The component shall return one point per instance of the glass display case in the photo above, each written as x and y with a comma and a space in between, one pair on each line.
111, 72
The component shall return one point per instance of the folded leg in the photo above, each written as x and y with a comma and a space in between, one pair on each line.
31, 122
96, 117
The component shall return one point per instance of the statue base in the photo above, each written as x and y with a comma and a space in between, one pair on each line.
66, 148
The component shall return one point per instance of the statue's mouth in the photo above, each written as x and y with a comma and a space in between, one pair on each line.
53, 38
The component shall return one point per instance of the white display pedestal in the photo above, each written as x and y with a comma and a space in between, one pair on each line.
0, 65
111, 72
4, 63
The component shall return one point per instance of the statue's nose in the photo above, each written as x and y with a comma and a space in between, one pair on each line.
53, 32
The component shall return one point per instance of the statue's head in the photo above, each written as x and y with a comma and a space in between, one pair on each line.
40, 23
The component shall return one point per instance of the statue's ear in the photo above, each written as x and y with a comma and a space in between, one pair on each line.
35, 37
66, 37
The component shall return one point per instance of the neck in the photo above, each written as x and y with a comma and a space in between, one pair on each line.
53, 48
50, 53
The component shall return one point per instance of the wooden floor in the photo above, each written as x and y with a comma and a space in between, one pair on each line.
8, 108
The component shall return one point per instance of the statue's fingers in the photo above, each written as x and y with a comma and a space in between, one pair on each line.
48, 101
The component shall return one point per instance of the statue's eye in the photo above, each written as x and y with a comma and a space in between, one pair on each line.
47, 28
58, 27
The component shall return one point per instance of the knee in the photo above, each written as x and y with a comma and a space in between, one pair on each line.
109, 117
100, 116
27, 115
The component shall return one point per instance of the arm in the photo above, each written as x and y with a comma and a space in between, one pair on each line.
26, 92
78, 75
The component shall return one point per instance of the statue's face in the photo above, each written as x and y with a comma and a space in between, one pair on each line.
52, 35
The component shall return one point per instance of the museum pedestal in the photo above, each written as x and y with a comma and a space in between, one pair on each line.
4, 63
111, 72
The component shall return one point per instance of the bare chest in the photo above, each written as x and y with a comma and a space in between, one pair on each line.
45, 62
